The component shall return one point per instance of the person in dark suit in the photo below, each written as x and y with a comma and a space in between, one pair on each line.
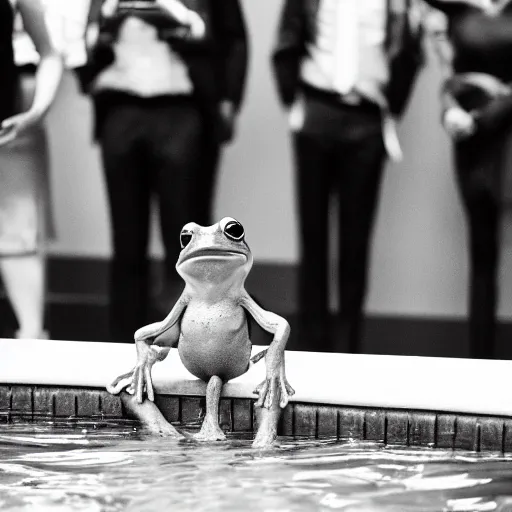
167, 80
475, 46
344, 70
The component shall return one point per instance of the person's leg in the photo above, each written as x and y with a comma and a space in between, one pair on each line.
24, 281
174, 146
22, 231
127, 179
360, 160
25, 220
312, 162
206, 186
477, 172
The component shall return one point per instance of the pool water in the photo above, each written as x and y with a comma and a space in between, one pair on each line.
116, 467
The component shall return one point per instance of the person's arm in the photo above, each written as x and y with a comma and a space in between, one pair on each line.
228, 24
186, 17
48, 74
232, 35
289, 50
50, 67
450, 7
457, 122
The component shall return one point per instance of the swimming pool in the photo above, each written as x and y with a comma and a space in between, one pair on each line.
113, 467
362, 433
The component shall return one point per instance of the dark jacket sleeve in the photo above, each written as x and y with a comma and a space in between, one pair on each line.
231, 35
448, 99
449, 7
491, 113
289, 49
86, 73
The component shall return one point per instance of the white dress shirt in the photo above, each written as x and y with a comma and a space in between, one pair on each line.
348, 52
348, 56
144, 65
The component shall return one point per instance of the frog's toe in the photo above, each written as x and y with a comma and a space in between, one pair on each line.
122, 382
210, 431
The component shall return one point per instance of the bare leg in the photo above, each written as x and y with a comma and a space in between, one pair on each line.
268, 419
149, 415
24, 279
210, 430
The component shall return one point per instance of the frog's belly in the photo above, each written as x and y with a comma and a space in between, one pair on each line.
209, 347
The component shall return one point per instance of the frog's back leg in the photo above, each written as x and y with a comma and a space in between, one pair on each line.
210, 429
256, 357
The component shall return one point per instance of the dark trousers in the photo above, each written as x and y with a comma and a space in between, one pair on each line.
480, 165
339, 151
149, 147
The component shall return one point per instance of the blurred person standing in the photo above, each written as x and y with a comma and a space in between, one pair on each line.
167, 80
27, 90
344, 71
474, 41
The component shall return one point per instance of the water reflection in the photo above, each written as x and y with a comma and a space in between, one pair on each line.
56, 467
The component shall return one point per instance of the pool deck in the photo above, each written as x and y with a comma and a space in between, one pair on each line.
457, 403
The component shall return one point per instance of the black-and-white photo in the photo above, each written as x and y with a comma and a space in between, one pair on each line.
255, 255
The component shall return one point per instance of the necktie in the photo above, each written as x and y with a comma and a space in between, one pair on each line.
346, 45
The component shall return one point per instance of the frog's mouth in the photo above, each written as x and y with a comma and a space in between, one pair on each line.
214, 254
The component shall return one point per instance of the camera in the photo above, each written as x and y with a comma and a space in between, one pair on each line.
152, 13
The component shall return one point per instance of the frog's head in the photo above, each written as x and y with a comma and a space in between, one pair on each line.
215, 254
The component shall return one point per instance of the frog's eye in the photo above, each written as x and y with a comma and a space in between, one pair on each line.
185, 237
234, 230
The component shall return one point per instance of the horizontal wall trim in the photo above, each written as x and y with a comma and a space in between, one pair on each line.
273, 284
77, 309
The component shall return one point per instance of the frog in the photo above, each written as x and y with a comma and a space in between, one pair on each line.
209, 325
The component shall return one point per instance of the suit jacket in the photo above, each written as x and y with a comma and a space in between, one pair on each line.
297, 28
217, 64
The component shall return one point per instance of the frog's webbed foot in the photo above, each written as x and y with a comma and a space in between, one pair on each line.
123, 382
210, 430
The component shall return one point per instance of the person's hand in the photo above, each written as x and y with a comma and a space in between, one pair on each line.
297, 115
458, 123
188, 17
109, 8
196, 25
13, 126
227, 120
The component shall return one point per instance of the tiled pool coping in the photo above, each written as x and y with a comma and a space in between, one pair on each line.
413, 401
236, 415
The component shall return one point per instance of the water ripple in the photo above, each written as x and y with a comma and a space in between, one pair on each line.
83, 467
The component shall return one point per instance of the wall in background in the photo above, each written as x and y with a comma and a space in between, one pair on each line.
419, 255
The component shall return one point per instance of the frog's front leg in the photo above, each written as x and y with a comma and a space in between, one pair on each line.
151, 347
275, 391
210, 429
